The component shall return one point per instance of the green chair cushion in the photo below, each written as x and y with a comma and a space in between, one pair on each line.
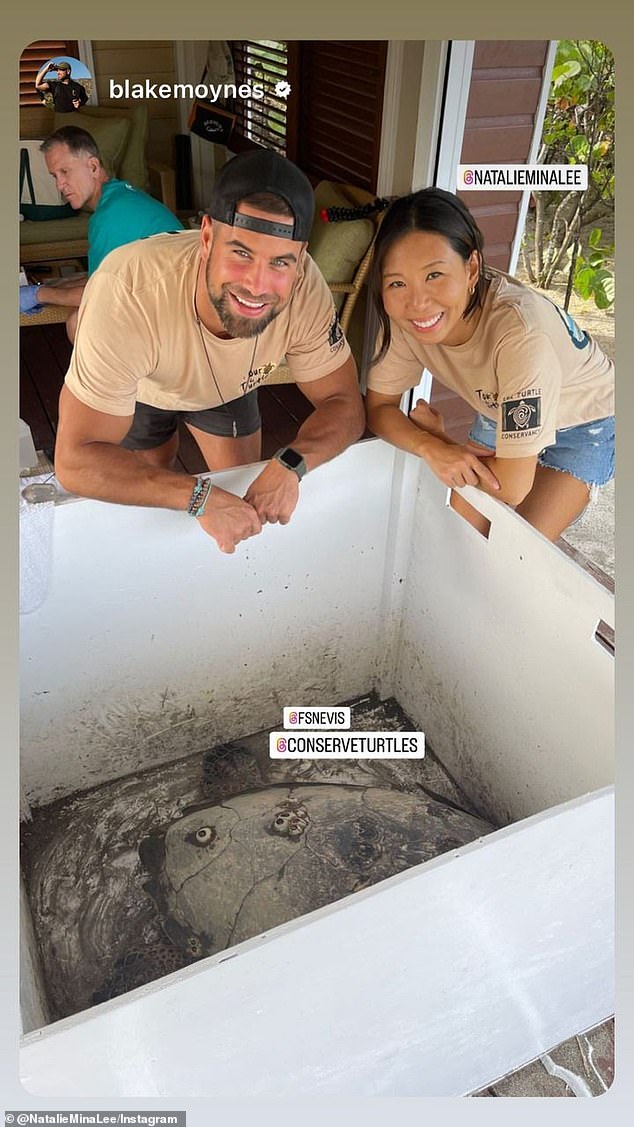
337, 248
133, 161
110, 135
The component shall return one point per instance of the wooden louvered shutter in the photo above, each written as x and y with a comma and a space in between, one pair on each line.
339, 127
33, 57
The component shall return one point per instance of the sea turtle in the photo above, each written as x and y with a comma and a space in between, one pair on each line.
223, 873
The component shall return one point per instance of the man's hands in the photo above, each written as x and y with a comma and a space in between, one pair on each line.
271, 499
229, 519
274, 494
336, 422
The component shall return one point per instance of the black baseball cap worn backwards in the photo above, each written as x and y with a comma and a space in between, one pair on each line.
263, 170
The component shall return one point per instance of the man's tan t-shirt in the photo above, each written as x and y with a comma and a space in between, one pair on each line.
138, 338
528, 366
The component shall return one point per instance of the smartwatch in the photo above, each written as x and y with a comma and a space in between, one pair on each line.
291, 460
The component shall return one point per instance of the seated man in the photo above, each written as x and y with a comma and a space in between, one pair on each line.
186, 326
68, 96
121, 213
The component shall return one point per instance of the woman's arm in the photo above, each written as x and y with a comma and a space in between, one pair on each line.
456, 465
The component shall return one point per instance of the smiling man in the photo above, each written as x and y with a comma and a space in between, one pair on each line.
186, 326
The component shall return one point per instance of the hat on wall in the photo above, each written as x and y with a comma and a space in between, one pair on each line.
263, 170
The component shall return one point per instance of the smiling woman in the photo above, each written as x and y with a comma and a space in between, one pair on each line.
543, 440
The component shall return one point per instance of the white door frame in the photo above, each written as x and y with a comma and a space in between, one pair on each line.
429, 130
442, 112
454, 114
84, 51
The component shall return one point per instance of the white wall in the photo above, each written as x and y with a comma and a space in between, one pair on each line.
152, 644
497, 658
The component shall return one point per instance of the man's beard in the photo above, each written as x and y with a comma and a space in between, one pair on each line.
233, 323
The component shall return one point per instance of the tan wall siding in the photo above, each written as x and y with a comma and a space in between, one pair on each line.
138, 61
504, 96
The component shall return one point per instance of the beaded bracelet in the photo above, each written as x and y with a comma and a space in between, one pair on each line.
200, 494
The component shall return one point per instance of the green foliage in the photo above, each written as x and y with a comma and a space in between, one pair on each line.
579, 124
591, 278
578, 129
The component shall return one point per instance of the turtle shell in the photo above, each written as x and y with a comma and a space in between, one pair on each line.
224, 873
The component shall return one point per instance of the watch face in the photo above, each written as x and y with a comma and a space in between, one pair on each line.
291, 458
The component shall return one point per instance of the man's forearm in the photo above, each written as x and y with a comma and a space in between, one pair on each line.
61, 295
330, 429
107, 472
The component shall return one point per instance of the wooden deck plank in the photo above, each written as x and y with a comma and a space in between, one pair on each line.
276, 423
60, 346
44, 368
289, 396
189, 456
33, 413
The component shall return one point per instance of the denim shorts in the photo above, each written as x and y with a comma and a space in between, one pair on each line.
585, 451
152, 426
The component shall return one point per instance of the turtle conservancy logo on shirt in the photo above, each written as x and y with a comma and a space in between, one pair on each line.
522, 416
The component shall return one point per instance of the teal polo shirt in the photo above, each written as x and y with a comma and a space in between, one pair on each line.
123, 214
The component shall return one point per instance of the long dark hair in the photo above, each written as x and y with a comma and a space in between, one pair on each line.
430, 209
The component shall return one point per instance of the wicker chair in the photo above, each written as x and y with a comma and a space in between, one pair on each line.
346, 292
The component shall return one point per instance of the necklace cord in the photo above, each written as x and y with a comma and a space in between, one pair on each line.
223, 401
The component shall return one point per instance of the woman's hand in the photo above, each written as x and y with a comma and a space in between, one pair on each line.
427, 418
458, 465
